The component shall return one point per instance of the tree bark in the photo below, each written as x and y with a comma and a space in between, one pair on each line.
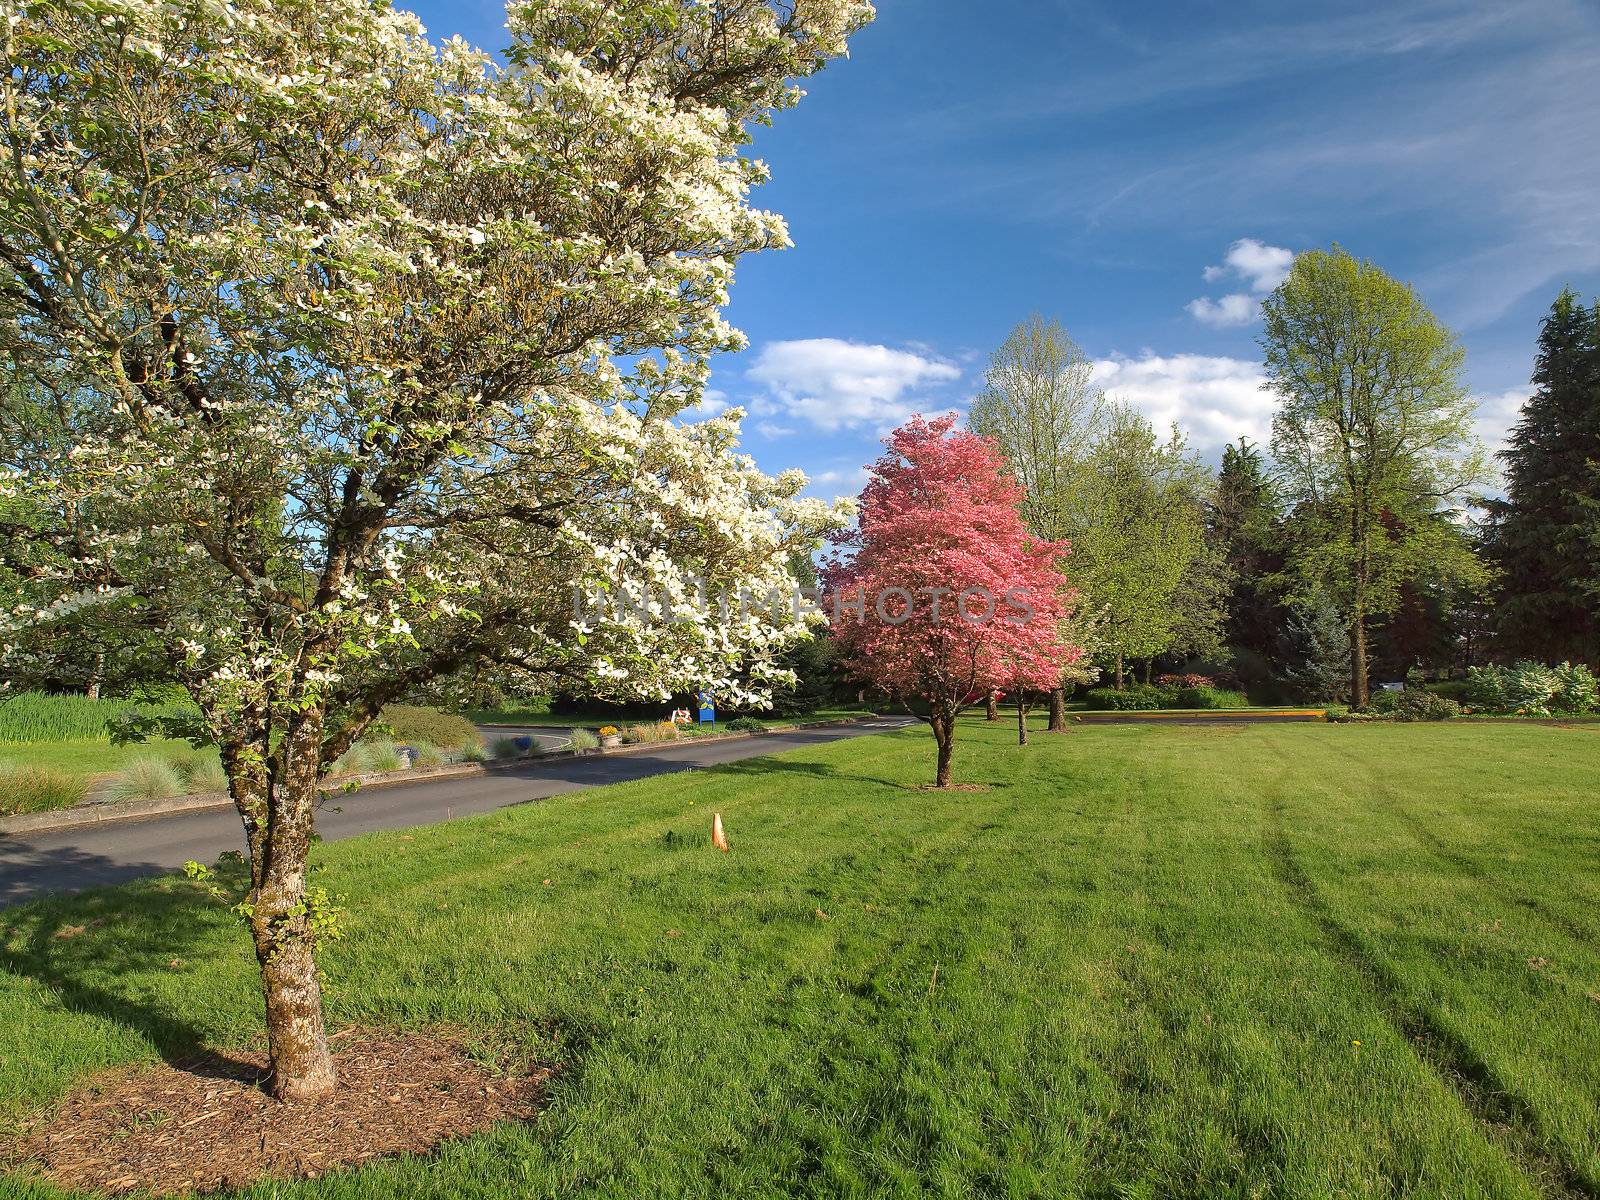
280, 923
1149, 665
945, 735
1058, 710
1358, 662
991, 711
1022, 718
1119, 670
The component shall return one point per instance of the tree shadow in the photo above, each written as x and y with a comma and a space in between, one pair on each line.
769, 767
93, 949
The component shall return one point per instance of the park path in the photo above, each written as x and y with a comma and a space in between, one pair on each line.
70, 860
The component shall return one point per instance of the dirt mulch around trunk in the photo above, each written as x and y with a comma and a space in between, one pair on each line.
206, 1124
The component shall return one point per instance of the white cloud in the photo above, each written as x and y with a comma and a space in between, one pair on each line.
833, 384
1214, 400
1261, 267
1234, 309
1498, 413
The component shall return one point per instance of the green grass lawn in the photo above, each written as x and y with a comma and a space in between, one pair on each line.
1304, 960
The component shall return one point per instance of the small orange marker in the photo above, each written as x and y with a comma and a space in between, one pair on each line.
718, 838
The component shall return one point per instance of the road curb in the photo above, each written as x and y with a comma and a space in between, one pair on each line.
140, 810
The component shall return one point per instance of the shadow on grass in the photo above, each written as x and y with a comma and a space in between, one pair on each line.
93, 951
768, 767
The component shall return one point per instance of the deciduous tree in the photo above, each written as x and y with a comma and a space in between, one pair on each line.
1373, 438
946, 596
1041, 406
373, 348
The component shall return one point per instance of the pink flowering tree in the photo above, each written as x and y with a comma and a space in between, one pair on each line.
946, 596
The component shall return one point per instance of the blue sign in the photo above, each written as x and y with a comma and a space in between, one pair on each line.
708, 709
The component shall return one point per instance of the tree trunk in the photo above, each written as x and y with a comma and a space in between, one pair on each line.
991, 711
280, 923
945, 734
1022, 718
1119, 670
1058, 710
1358, 662
1149, 665
93, 690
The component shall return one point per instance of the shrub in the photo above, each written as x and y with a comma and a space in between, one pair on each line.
354, 761
504, 748
1459, 690
1579, 691
661, 731
147, 779
384, 756
475, 753
202, 773
1337, 713
1210, 697
1131, 699
1533, 689
414, 723
582, 739
426, 754
745, 725
1419, 704
1383, 702
1486, 687
1185, 681
27, 788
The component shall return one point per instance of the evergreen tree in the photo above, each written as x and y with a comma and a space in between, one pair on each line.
1318, 639
1543, 535
1244, 526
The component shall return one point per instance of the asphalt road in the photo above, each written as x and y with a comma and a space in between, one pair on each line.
70, 860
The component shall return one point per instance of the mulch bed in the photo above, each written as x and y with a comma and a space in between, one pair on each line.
206, 1124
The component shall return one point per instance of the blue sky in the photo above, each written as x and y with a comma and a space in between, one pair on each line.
1141, 173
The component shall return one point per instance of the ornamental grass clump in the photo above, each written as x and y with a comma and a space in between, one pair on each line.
147, 779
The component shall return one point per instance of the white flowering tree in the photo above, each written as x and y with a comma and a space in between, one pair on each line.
363, 352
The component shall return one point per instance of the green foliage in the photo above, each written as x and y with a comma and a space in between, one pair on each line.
1318, 651
584, 739
357, 760
1139, 550
41, 717
25, 787
384, 756
1210, 697
1373, 440
1543, 535
503, 749
1532, 689
412, 723
745, 725
202, 773
1129, 699
147, 778
426, 754
1141, 696
1413, 704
